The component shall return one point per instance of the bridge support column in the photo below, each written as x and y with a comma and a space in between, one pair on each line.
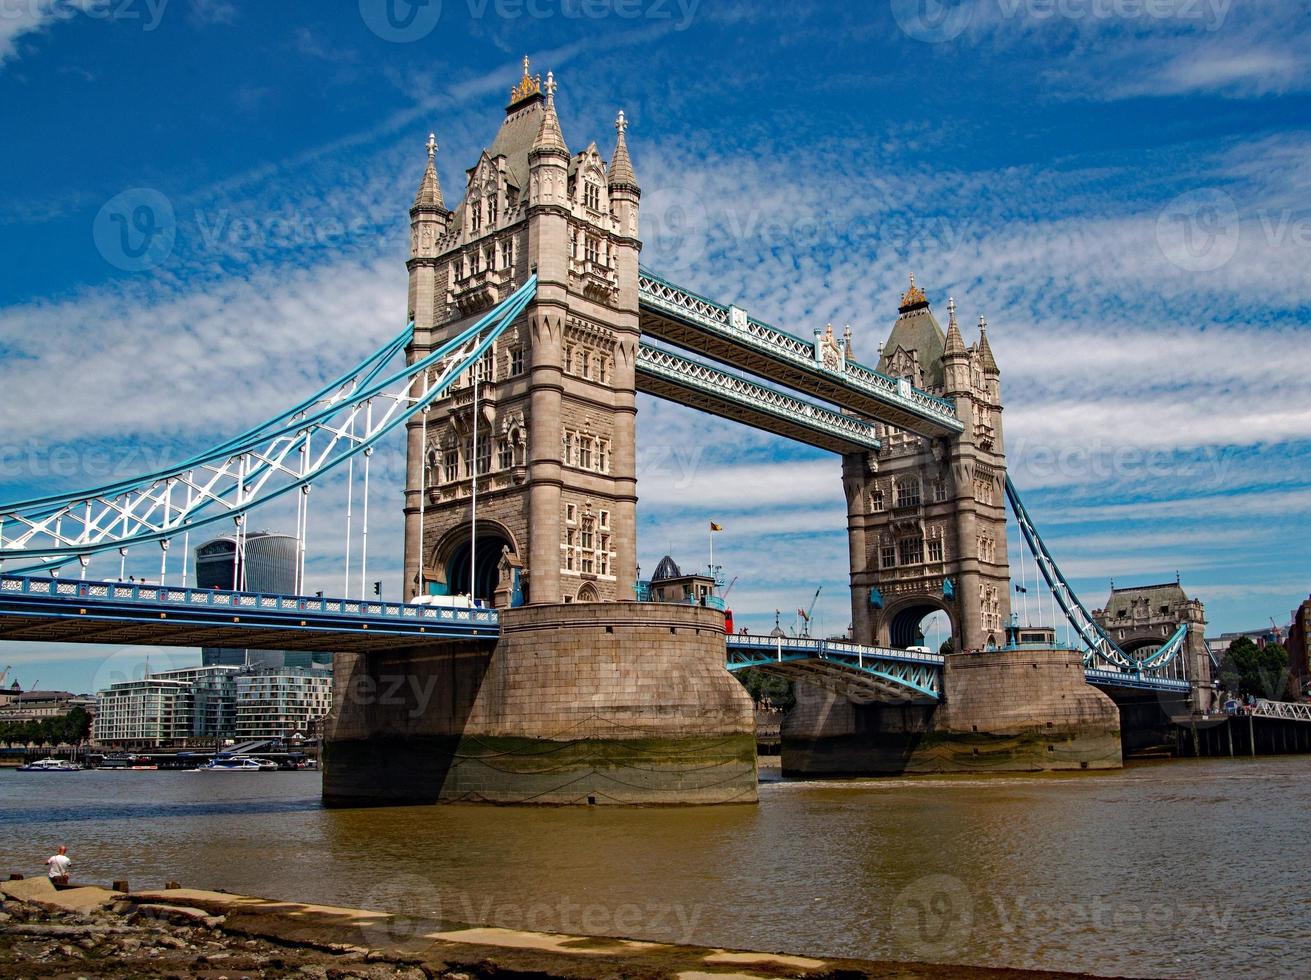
1002, 711
625, 703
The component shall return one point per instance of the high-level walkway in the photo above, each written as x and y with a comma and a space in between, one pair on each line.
728, 334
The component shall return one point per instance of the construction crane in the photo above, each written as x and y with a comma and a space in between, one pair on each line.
730, 588
806, 614
5, 673
1274, 628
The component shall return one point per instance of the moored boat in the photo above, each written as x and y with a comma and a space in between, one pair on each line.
51, 765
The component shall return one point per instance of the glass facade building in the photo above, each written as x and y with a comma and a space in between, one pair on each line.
265, 562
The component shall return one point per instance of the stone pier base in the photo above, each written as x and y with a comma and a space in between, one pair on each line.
1004, 711
605, 703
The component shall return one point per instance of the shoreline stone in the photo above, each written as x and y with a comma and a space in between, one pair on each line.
208, 934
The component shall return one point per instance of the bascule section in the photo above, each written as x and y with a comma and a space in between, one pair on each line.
521, 483
926, 514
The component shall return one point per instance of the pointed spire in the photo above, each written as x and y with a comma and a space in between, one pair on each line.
430, 190
955, 346
986, 360
549, 136
621, 167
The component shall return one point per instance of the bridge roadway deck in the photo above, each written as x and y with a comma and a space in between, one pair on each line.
125, 613
727, 334
59, 610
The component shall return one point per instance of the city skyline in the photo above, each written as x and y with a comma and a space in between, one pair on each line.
1155, 419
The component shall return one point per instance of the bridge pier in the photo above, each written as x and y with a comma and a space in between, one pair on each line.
1002, 711
605, 703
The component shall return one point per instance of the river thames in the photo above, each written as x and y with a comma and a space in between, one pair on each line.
1188, 868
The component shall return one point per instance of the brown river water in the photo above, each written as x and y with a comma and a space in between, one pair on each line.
1192, 868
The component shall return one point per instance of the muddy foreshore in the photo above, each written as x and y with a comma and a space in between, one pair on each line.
91, 932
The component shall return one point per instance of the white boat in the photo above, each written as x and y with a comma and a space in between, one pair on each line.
50, 765
232, 764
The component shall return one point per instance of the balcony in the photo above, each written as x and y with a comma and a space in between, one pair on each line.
596, 280
482, 289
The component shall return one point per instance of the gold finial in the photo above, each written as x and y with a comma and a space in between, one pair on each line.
621, 124
550, 86
913, 297
528, 85
432, 146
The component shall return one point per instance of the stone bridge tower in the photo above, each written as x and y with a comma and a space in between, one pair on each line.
927, 518
554, 455
1141, 618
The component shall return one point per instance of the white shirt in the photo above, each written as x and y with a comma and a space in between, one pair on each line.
58, 865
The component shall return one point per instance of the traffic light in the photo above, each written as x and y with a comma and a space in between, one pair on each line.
377, 589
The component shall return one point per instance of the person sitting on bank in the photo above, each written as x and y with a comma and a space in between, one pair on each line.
57, 865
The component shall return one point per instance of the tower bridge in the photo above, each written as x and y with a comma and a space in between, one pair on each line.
531, 328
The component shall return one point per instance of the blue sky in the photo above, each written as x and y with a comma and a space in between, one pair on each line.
1121, 186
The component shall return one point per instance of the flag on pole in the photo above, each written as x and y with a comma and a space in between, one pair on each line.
716, 527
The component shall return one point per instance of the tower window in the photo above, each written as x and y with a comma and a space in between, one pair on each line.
935, 549
876, 499
450, 465
491, 210
911, 551
585, 452
908, 493
504, 454
592, 249
939, 491
592, 195
516, 360
888, 556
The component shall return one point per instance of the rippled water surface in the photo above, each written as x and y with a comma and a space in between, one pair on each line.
1165, 869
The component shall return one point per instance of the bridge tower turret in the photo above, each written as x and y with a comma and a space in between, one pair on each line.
554, 456
926, 518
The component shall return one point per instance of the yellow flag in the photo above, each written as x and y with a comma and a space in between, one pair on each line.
716, 527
